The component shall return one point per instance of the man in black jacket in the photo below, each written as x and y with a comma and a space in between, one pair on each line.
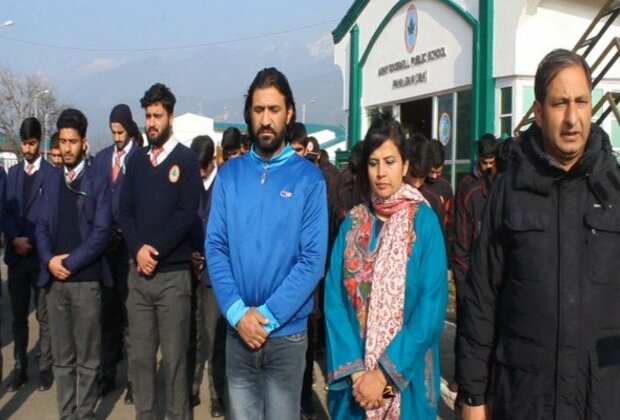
539, 331
469, 202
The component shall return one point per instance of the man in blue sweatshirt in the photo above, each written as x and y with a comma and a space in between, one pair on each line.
266, 246
158, 205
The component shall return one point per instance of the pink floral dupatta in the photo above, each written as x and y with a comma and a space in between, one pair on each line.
375, 281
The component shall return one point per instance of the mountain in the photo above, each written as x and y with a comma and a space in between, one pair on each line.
210, 80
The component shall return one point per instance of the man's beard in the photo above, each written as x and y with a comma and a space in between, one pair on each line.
159, 139
268, 145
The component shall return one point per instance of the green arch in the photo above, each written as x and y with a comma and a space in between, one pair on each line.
483, 117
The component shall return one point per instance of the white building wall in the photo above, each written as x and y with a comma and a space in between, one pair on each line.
440, 29
547, 24
435, 14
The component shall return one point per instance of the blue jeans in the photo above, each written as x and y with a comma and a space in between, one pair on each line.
265, 383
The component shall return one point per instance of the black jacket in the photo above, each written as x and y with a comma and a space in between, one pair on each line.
539, 333
469, 202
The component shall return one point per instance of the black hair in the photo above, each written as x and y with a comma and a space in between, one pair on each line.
299, 131
437, 153
323, 158
231, 139
551, 65
487, 146
355, 157
30, 129
301, 140
73, 118
55, 141
507, 154
134, 133
420, 156
316, 147
384, 128
270, 77
204, 148
159, 93
246, 141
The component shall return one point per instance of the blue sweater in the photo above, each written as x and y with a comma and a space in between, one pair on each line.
158, 205
267, 238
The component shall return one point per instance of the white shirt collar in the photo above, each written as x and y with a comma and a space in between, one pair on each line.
78, 169
168, 146
127, 148
36, 165
209, 180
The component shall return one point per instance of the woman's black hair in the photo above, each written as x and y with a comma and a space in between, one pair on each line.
384, 128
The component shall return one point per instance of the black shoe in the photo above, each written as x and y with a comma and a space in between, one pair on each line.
129, 395
194, 400
18, 380
217, 408
106, 385
46, 379
307, 416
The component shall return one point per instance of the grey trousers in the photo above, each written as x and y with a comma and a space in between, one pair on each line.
74, 310
158, 310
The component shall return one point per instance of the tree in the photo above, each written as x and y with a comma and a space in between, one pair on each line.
22, 97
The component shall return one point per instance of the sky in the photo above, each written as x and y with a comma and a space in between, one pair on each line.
96, 54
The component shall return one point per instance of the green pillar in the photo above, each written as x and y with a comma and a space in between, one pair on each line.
483, 84
355, 90
487, 83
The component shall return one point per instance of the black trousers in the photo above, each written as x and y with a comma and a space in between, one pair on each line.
215, 345
22, 286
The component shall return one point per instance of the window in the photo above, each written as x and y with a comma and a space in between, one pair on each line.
505, 111
379, 111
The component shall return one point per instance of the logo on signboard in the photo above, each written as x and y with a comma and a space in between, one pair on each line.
411, 28
445, 128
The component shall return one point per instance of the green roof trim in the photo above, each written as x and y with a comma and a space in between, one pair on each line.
334, 142
349, 20
223, 125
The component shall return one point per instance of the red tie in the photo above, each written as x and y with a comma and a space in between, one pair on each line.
116, 169
155, 152
70, 175
29, 168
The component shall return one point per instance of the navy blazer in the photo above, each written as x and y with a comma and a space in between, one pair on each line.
20, 216
2, 194
102, 163
94, 219
199, 227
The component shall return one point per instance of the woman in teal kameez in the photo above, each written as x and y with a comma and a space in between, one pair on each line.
385, 294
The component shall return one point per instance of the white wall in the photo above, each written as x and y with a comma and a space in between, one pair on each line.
439, 27
539, 27
391, 48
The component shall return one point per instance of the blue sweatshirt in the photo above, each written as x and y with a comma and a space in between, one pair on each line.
267, 238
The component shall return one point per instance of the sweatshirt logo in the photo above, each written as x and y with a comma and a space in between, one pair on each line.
286, 194
174, 173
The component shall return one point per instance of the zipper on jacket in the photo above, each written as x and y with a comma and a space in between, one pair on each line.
263, 177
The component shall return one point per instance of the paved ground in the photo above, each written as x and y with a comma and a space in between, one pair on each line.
28, 403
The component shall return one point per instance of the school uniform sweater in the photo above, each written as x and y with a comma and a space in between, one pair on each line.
158, 205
